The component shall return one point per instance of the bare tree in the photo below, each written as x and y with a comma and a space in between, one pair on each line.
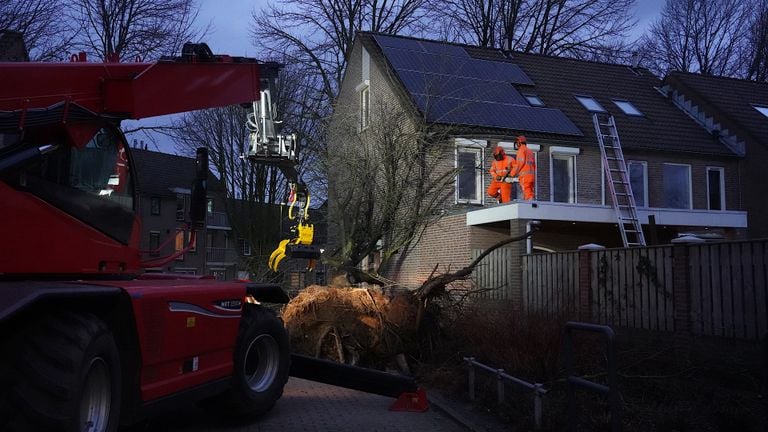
46, 35
318, 34
705, 36
387, 185
756, 52
253, 191
575, 28
131, 29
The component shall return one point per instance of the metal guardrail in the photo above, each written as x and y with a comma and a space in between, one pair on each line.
501, 376
611, 390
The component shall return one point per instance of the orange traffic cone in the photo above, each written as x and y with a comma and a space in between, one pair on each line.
411, 401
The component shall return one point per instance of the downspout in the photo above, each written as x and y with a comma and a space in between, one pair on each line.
529, 241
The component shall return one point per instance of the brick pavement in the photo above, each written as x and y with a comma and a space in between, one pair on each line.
314, 407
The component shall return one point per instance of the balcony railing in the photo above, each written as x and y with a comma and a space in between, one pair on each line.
220, 255
217, 220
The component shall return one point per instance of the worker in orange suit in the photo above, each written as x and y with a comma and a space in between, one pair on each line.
501, 180
525, 168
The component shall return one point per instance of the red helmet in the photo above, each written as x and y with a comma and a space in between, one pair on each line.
498, 153
521, 139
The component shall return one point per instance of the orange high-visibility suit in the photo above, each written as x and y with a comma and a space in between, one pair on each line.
501, 182
525, 168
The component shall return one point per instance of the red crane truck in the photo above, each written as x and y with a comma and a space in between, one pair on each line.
87, 340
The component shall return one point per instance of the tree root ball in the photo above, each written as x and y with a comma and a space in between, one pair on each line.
360, 326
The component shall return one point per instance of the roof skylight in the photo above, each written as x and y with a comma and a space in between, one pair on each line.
763, 109
534, 100
590, 103
627, 107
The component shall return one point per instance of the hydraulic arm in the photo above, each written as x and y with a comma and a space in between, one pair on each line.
268, 146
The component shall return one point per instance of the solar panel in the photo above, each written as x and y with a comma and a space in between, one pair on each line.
444, 49
450, 86
398, 42
497, 115
460, 87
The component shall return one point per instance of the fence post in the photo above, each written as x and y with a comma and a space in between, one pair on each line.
499, 386
681, 292
471, 377
585, 281
537, 405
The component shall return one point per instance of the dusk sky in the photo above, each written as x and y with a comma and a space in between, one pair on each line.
229, 27
231, 20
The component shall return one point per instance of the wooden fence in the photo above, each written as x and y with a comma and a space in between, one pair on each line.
551, 283
728, 295
712, 289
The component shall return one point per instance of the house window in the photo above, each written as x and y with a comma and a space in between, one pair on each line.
209, 205
638, 178
154, 243
154, 205
244, 246
563, 169
627, 107
365, 107
590, 103
179, 243
716, 188
469, 180
677, 186
762, 109
219, 274
181, 206
534, 100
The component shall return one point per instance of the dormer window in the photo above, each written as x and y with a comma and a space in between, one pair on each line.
762, 109
590, 103
627, 108
534, 100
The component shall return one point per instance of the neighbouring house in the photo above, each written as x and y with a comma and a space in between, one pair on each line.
735, 111
487, 97
164, 189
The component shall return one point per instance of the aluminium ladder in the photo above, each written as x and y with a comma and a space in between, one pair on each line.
617, 176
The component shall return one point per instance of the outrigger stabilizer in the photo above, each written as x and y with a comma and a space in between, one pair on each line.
270, 147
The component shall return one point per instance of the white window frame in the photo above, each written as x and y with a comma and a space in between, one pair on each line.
690, 183
470, 146
722, 187
585, 101
761, 109
557, 152
364, 101
534, 100
627, 107
644, 164
244, 247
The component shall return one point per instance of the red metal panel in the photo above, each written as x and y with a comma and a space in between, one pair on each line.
129, 90
39, 238
178, 321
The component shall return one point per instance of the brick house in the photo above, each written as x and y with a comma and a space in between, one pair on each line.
737, 112
486, 97
164, 189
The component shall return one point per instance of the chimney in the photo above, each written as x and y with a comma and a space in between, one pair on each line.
635, 59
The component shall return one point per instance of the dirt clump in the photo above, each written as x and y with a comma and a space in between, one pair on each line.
362, 326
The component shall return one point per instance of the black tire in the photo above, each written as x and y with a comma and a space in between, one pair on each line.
261, 366
66, 377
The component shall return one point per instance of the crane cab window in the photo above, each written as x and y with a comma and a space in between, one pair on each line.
92, 183
101, 168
